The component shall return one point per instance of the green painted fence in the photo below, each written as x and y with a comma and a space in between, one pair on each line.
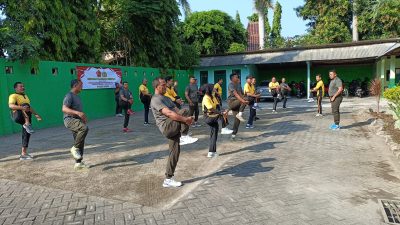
47, 86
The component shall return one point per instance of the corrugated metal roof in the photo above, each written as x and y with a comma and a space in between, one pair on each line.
367, 51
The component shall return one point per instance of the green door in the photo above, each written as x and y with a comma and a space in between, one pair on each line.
221, 74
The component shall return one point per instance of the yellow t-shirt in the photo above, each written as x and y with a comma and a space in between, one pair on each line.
18, 99
143, 89
249, 89
320, 88
273, 85
218, 88
170, 93
209, 103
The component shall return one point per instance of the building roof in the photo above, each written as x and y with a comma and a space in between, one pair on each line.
363, 50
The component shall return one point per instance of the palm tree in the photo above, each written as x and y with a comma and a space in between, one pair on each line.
186, 7
261, 6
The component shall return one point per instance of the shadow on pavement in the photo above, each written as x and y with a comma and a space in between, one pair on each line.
359, 124
245, 169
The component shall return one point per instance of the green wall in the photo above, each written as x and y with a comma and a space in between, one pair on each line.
47, 91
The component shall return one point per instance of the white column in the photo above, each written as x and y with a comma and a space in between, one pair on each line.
392, 71
383, 72
308, 79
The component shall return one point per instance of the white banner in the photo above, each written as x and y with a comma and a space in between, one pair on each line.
98, 78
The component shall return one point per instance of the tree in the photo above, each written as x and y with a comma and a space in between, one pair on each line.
236, 47
276, 38
212, 32
50, 30
237, 18
261, 6
186, 8
329, 20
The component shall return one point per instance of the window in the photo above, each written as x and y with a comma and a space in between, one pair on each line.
9, 69
33, 71
387, 75
203, 77
54, 71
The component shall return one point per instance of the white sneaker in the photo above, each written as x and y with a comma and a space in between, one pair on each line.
310, 100
198, 125
230, 113
233, 136
75, 153
212, 154
226, 131
240, 117
274, 111
171, 183
81, 166
318, 115
185, 140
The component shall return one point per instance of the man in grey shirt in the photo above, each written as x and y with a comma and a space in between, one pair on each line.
335, 95
192, 95
236, 102
75, 120
126, 101
285, 89
172, 123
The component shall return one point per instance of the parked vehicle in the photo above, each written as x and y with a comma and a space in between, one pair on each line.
263, 89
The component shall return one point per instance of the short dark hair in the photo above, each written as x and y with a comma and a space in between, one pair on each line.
318, 75
192, 77
156, 82
75, 82
125, 82
16, 84
168, 78
232, 75
249, 77
332, 70
219, 79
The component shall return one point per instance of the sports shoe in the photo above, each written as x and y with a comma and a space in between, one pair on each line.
171, 183
310, 100
248, 126
185, 140
230, 113
198, 124
130, 112
126, 130
274, 111
318, 115
146, 124
212, 154
25, 157
233, 137
335, 127
28, 128
75, 153
332, 126
256, 107
240, 117
81, 166
119, 115
226, 131
256, 118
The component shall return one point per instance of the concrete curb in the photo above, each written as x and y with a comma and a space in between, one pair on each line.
376, 127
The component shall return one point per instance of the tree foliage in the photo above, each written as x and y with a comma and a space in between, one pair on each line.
50, 30
236, 47
331, 21
212, 32
275, 36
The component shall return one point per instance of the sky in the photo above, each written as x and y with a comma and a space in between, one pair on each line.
291, 24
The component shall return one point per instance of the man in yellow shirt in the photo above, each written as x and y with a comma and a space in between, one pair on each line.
320, 90
170, 93
218, 90
250, 94
274, 88
22, 112
145, 98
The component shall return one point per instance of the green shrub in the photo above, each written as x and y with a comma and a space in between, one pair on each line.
393, 96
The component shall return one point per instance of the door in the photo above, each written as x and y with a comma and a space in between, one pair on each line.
221, 74
203, 77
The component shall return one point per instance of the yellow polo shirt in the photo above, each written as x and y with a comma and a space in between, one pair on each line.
18, 99
143, 89
209, 103
273, 85
170, 93
249, 89
320, 87
218, 88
